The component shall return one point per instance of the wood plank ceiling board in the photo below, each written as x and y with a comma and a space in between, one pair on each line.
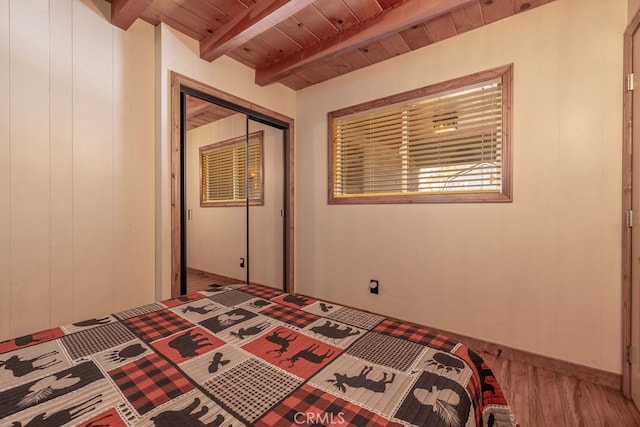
467, 17
324, 38
388, 4
155, 17
254, 21
495, 10
184, 17
356, 59
384, 25
363, 10
295, 82
441, 28
209, 13
257, 51
296, 30
416, 37
375, 53
337, 13
524, 5
231, 8
281, 43
348, 62
394, 45
315, 22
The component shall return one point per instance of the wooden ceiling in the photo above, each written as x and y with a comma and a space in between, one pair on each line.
200, 112
303, 42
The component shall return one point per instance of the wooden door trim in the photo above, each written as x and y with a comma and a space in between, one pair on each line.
177, 81
627, 193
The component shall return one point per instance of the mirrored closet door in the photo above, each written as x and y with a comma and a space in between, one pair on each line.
215, 194
266, 217
233, 197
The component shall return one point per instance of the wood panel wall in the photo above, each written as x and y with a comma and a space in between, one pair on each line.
77, 164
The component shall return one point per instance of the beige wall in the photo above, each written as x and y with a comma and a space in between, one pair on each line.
179, 53
217, 237
540, 274
76, 164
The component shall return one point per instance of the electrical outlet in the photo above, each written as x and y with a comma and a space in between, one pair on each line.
374, 286
242, 262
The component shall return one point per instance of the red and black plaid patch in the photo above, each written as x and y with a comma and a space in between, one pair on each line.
149, 382
310, 406
289, 315
415, 334
294, 352
482, 386
157, 324
261, 291
183, 299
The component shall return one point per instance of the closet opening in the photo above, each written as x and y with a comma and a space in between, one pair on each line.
232, 192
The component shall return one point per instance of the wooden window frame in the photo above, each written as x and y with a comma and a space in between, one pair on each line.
505, 73
259, 135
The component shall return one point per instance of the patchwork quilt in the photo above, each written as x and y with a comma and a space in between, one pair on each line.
245, 355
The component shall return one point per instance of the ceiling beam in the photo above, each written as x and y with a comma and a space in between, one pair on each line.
391, 21
254, 21
125, 12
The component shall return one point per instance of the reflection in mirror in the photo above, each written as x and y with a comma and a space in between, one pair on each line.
215, 185
266, 223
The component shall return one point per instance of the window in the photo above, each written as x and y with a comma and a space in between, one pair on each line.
448, 142
224, 175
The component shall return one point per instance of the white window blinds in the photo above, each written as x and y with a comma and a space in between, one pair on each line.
446, 143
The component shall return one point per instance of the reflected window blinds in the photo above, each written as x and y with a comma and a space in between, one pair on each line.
229, 172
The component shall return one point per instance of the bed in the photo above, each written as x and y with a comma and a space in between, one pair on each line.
245, 355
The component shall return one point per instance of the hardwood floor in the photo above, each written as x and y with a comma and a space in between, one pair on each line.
201, 280
539, 398
543, 398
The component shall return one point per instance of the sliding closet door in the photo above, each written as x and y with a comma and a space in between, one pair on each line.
266, 208
216, 192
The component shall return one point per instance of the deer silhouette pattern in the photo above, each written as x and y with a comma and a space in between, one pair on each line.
203, 310
250, 331
281, 341
308, 355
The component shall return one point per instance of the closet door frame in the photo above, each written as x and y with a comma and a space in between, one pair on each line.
181, 86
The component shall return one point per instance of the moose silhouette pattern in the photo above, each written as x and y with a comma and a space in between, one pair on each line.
308, 355
361, 381
216, 362
281, 341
